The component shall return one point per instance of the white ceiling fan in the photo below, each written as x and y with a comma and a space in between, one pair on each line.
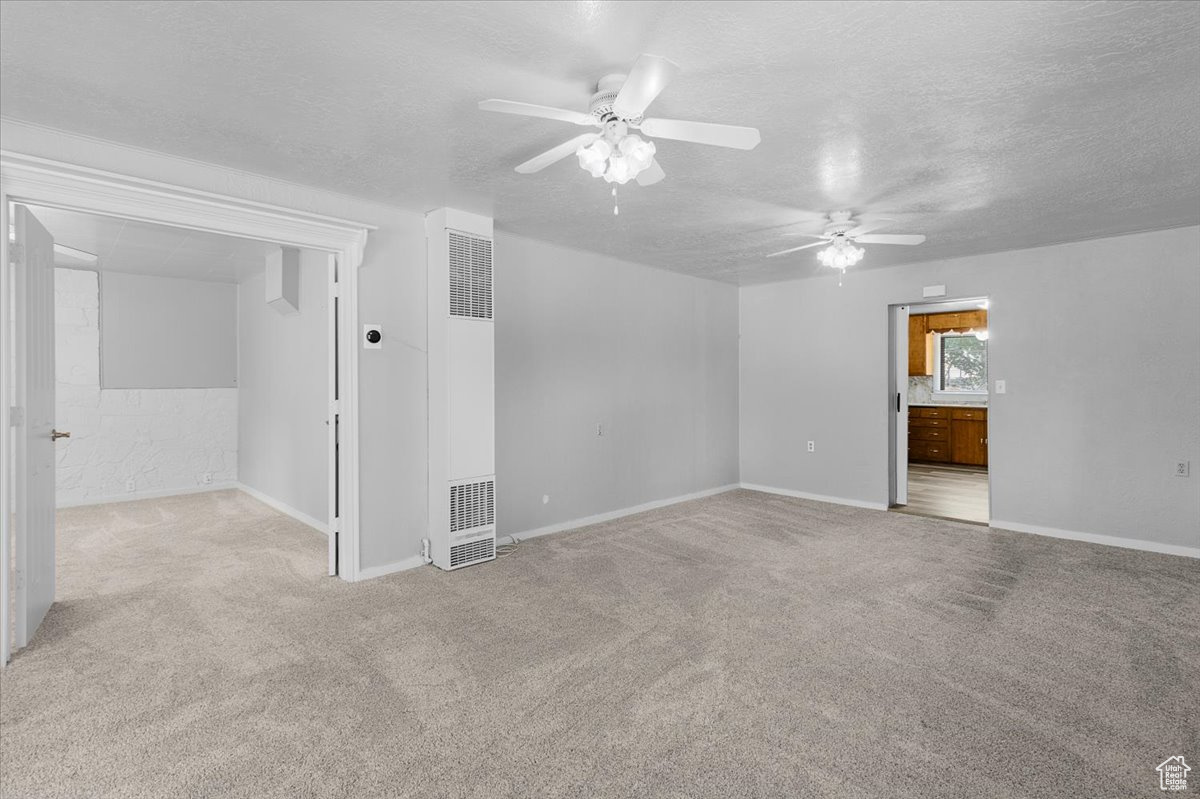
618, 107
843, 233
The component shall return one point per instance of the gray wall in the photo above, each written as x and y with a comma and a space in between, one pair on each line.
583, 340
1099, 343
164, 332
283, 447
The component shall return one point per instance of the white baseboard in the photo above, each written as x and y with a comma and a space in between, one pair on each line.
372, 572
787, 492
1095, 538
285, 509
134, 496
615, 514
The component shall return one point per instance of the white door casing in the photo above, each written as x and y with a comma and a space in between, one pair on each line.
899, 402
33, 473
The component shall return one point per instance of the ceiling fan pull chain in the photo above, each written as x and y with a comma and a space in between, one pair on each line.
616, 210
840, 276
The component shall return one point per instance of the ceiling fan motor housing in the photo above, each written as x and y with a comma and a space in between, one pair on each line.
602, 101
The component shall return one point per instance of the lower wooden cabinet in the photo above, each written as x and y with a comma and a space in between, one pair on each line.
948, 435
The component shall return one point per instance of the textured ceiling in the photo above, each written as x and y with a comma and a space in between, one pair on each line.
986, 126
146, 249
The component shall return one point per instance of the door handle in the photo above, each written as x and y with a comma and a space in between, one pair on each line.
56, 435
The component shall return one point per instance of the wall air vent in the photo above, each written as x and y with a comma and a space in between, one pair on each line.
472, 505
470, 276
472, 552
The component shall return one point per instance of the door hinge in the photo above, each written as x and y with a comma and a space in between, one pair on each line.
16, 416
16, 253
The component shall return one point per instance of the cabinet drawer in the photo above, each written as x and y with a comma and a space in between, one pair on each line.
934, 413
928, 422
929, 434
928, 451
968, 413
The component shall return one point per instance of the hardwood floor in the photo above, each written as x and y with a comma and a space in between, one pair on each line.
948, 492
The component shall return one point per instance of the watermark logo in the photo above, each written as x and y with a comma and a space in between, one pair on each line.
1172, 774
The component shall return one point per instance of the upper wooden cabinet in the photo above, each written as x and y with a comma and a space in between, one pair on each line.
920, 351
960, 321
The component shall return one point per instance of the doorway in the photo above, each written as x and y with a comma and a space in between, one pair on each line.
26, 330
939, 436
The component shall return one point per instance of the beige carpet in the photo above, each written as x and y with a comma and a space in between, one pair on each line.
743, 645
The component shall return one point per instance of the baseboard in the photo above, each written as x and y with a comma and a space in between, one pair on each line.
1095, 538
371, 572
284, 508
573, 524
787, 492
134, 496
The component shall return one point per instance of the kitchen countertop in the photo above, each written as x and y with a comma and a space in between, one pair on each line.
946, 405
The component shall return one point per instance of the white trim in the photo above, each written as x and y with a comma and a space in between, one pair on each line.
282, 507
599, 518
787, 492
371, 572
134, 496
1096, 538
40, 181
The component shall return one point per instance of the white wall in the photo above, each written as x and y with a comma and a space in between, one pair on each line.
283, 382
583, 340
1098, 342
156, 440
164, 332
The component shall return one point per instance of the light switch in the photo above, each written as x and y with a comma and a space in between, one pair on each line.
1000, 386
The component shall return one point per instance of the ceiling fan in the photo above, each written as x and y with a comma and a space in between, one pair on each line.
844, 232
617, 108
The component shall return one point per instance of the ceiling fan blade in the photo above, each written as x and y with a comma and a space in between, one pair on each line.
794, 249
868, 226
651, 174
890, 238
530, 110
808, 235
540, 162
702, 133
649, 76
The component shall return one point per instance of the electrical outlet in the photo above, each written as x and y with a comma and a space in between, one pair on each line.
1183, 469
599, 429
812, 446
207, 478
130, 486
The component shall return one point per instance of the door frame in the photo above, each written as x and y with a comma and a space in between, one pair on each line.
896, 377
43, 182
897, 405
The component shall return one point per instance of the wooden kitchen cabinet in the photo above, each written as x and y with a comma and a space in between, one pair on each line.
941, 434
959, 321
920, 348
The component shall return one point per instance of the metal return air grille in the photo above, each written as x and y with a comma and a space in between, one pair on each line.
464, 554
470, 276
472, 505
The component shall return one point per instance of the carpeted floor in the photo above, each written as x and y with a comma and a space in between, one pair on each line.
743, 645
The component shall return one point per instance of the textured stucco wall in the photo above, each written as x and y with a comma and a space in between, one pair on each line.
126, 442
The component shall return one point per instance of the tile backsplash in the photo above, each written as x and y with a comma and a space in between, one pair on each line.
920, 392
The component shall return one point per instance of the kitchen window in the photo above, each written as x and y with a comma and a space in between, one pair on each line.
960, 364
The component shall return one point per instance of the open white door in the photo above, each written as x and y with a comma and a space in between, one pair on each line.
334, 416
33, 266
899, 404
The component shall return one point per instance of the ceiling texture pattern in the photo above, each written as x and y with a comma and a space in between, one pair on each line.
988, 126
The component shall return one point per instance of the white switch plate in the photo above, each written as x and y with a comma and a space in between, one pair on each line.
378, 345
1001, 386
933, 291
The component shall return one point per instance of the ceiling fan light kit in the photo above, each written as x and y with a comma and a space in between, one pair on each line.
843, 235
617, 108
